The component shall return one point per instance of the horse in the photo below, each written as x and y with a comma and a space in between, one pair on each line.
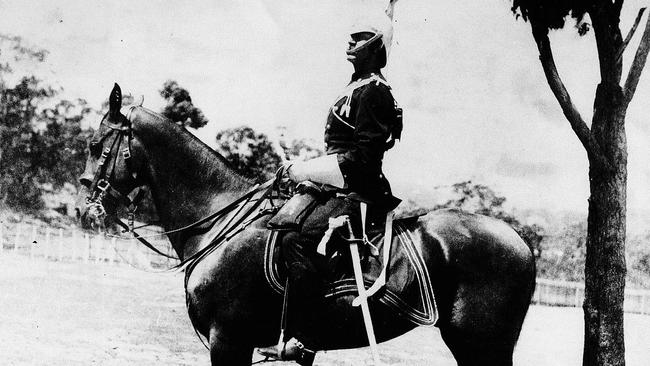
482, 272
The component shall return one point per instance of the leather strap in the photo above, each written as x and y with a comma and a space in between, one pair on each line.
381, 279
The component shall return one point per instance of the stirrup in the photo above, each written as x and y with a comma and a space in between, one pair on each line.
292, 350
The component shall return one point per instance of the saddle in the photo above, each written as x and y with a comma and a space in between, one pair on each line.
407, 290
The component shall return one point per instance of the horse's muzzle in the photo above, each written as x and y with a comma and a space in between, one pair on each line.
91, 215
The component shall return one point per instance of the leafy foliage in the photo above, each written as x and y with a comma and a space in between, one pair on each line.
300, 149
251, 153
179, 106
63, 142
254, 154
18, 109
564, 253
37, 146
553, 13
638, 259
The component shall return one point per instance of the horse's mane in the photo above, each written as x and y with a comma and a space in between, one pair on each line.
187, 134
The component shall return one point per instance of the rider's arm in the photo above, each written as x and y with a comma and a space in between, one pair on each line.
324, 169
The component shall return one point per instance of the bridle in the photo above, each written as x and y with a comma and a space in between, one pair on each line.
120, 136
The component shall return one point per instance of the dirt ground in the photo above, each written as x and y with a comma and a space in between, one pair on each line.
94, 314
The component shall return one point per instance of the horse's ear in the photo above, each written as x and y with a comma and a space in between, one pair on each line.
115, 101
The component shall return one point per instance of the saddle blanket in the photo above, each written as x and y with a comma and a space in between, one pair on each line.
408, 289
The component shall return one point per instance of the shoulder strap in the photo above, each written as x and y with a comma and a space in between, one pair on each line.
349, 90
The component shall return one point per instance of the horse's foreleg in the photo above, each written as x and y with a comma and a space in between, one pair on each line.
225, 351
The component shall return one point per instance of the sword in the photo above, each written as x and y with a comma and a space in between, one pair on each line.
365, 310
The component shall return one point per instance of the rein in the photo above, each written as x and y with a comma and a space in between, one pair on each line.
223, 234
121, 135
211, 217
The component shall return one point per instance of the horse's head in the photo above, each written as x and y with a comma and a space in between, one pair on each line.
113, 168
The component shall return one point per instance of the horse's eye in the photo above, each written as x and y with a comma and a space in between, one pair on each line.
95, 148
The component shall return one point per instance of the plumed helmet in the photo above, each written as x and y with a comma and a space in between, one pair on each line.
375, 18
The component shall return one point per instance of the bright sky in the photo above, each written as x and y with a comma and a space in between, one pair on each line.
475, 100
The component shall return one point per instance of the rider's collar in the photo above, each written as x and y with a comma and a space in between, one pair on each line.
365, 75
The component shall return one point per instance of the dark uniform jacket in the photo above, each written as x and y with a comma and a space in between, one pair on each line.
362, 124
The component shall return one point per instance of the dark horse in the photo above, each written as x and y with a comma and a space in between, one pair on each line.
482, 273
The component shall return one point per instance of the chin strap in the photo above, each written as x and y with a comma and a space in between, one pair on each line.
366, 44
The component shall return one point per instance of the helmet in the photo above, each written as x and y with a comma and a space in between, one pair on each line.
378, 21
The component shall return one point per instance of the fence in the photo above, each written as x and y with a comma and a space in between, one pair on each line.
563, 293
75, 245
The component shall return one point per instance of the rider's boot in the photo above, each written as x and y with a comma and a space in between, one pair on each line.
292, 350
305, 303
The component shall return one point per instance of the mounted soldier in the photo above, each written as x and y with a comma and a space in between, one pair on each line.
471, 276
363, 123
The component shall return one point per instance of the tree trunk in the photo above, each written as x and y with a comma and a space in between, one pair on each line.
605, 263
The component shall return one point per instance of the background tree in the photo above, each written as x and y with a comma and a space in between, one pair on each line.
179, 106
257, 156
39, 146
564, 253
18, 110
639, 258
18, 139
250, 152
63, 142
301, 149
606, 147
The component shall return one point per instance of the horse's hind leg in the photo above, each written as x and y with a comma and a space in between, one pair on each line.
484, 325
472, 348
224, 351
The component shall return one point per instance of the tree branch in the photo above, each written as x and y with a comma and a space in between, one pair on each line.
605, 18
637, 65
540, 33
630, 34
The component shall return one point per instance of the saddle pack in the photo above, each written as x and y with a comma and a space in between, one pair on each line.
393, 269
295, 211
407, 289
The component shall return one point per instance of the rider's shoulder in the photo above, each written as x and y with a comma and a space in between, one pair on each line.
375, 86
